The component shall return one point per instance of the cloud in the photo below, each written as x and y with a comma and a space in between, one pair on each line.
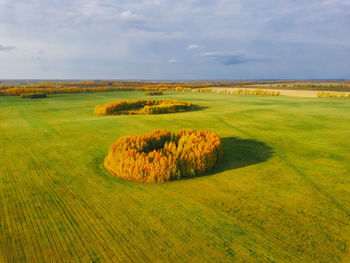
230, 58
6, 48
192, 46
130, 17
138, 38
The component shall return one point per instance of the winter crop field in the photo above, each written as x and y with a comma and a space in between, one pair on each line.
281, 193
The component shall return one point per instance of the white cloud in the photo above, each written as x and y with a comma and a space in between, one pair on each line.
150, 37
128, 16
192, 46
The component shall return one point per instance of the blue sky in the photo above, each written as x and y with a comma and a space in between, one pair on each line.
160, 39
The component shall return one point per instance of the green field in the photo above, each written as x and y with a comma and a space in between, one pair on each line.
281, 193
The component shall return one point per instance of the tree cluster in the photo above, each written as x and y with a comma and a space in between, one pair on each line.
142, 107
260, 92
321, 85
329, 94
17, 91
154, 93
162, 156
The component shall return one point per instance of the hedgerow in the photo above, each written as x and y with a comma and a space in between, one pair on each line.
329, 94
162, 156
142, 107
260, 92
154, 93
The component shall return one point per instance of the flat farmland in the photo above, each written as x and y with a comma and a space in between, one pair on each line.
280, 194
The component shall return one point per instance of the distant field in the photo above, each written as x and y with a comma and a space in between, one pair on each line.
281, 193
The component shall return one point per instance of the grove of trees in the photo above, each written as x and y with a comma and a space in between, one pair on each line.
154, 93
142, 107
162, 156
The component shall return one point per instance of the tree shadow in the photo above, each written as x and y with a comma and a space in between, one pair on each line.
239, 153
198, 107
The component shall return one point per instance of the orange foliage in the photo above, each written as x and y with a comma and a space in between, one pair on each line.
59, 90
161, 156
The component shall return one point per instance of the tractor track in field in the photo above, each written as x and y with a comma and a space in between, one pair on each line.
57, 204
298, 171
39, 174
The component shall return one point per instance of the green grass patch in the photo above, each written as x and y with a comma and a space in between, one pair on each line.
280, 194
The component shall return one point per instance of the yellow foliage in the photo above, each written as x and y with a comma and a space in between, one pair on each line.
142, 107
161, 156
241, 91
329, 94
260, 92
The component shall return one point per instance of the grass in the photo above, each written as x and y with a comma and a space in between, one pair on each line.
281, 193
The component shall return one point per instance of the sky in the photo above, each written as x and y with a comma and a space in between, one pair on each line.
182, 39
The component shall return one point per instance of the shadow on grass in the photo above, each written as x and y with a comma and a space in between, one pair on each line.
198, 108
242, 152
